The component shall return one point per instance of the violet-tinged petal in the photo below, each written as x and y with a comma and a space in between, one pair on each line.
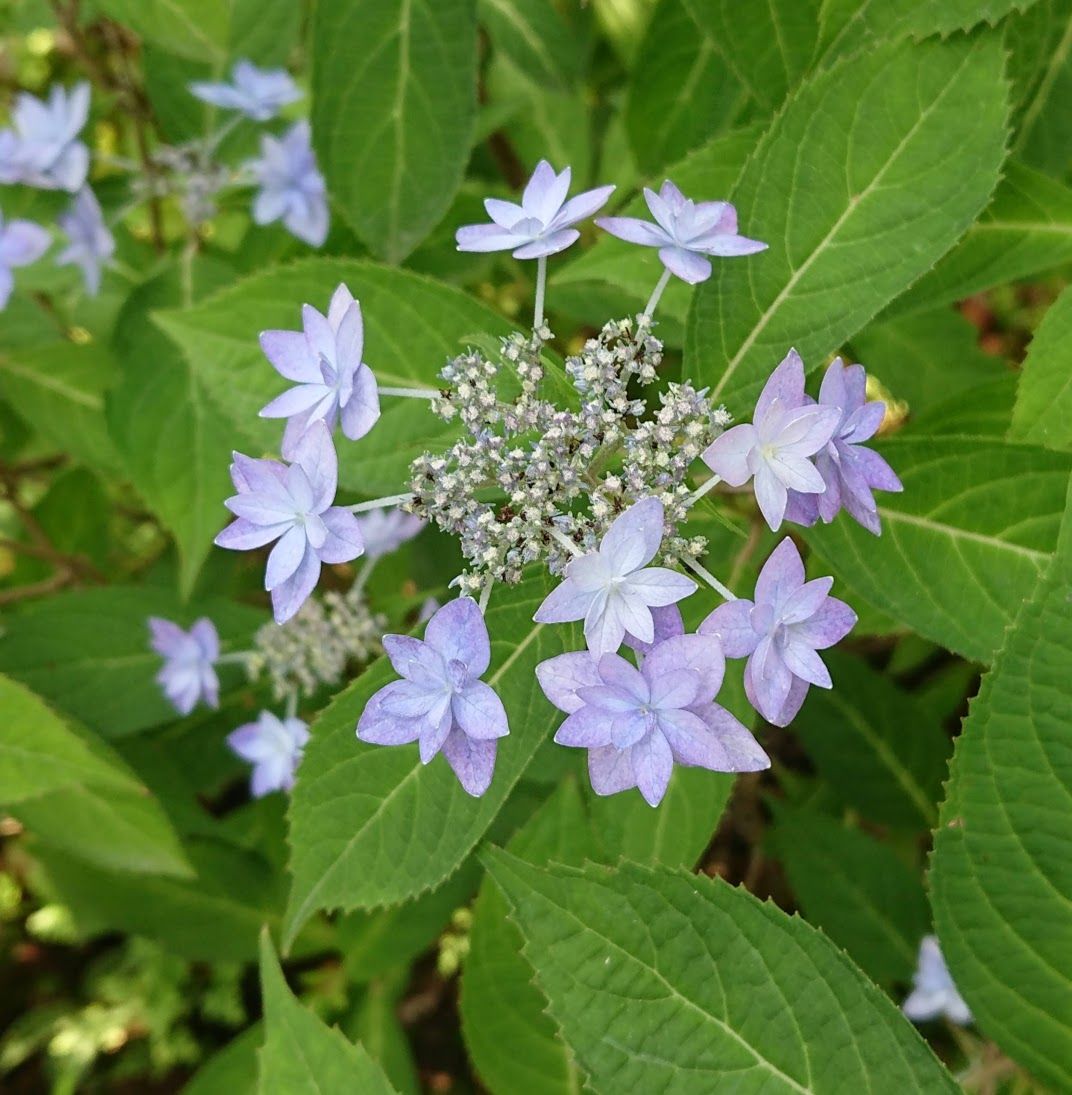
415, 660
458, 632
603, 627
550, 244
687, 265
804, 602
658, 587
434, 734
611, 770
166, 638
728, 455
675, 689
874, 469
587, 728
802, 661
545, 191
316, 456
244, 535
785, 384
609, 700
633, 614
863, 424
377, 727
479, 712
634, 230
207, 638
771, 495
727, 245
653, 764
503, 213
22, 242
700, 655
289, 596
731, 624
560, 678
767, 681
782, 574
484, 238
830, 624
728, 746
293, 401
667, 623
473, 762
362, 410
634, 536
615, 672
581, 207
564, 604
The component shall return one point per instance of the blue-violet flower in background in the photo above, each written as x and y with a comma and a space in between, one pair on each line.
292, 505
780, 633
849, 470
89, 242
325, 361
542, 224
636, 723
258, 93
786, 430
21, 242
386, 530
612, 588
933, 992
291, 187
441, 703
274, 747
41, 149
685, 232
188, 674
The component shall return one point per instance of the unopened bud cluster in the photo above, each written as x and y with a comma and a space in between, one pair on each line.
526, 466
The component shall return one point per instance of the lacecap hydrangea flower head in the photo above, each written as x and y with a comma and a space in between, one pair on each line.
596, 489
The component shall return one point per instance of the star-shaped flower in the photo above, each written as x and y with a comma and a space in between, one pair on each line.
441, 703
325, 360
41, 148
188, 674
274, 747
849, 470
291, 187
612, 589
21, 242
258, 93
542, 224
386, 530
292, 504
780, 633
775, 447
637, 722
933, 993
685, 232
90, 245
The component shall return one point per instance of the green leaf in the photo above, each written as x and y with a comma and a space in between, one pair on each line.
87, 652
412, 325
964, 543
683, 94
855, 734
906, 147
982, 412
664, 981
371, 825
375, 1024
175, 443
300, 1054
231, 1070
535, 36
1043, 412
214, 916
1001, 878
1026, 231
394, 99
59, 389
856, 889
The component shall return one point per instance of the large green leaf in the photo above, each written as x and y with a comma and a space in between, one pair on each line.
300, 1054
1026, 230
964, 543
88, 652
856, 889
1001, 877
371, 825
1043, 412
887, 163
175, 442
664, 981
59, 388
537, 38
856, 735
412, 325
394, 98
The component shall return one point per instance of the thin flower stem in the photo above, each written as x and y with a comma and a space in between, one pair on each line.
382, 503
235, 657
214, 140
656, 293
709, 578
700, 491
485, 595
409, 393
541, 287
565, 541
363, 575
292, 704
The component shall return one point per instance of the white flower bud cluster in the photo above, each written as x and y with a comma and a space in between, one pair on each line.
315, 646
526, 469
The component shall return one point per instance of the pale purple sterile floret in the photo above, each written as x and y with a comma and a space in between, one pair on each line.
274, 747
292, 504
636, 723
775, 448
849, 470
188, 674
258, 93
685, 232
291, 187
324, 359
386, 530
542, 224
441, 703
21, 242
89, 242
780, 633
612, 588
933, 992
41, 149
